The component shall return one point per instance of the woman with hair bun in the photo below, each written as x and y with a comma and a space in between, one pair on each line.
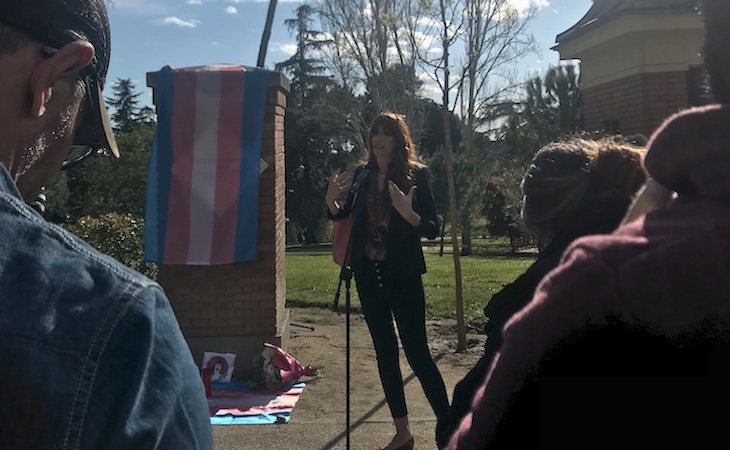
573, 187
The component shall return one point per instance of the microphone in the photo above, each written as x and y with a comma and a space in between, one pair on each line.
362, 177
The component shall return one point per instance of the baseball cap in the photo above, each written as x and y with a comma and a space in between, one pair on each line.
55, 23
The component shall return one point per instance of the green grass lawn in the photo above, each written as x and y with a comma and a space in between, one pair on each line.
311, 280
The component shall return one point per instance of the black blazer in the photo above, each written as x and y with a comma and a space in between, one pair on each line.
404, 254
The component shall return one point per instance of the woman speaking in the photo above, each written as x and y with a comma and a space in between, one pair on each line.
394, 209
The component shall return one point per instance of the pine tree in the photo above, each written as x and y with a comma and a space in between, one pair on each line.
317, 135
125, 101
307, 72
146, 116
553, 107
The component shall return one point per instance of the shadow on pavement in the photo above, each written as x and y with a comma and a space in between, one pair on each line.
337, 439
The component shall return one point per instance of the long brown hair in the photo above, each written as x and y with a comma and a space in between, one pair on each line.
405, 158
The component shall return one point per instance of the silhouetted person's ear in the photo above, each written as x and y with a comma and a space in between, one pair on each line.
67, 61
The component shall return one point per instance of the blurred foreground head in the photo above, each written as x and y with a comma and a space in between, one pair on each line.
567, 177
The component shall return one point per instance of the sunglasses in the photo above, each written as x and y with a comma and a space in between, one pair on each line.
87, 137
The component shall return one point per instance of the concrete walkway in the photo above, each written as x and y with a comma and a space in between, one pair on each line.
318, 420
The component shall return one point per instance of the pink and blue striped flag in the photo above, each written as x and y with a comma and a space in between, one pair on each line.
203, 183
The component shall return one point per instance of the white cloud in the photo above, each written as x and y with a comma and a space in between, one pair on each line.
392, 52
424, 41
140, 7
425, 76
288, 49
146, 7
429, 87
264, 1
178, 22
135, 3
427, 22
231, 10
523, 5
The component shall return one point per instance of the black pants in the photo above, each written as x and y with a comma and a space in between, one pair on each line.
383, 297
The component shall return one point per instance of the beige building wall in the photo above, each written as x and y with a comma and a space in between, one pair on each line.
634, 69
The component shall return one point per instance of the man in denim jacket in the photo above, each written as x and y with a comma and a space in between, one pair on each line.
91, 355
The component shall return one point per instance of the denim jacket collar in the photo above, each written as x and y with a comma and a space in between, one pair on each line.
7, 185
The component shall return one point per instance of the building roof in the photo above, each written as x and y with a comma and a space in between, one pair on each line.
603, 11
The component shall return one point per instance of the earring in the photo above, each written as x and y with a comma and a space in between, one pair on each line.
39, 204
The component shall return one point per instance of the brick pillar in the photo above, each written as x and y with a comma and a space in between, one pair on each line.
235, 308
637, 104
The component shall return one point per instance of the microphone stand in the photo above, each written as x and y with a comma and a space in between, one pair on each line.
354, 210
346, 276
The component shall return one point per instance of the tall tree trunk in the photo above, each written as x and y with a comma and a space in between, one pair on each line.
460, 325
468, 131
453, 218
465, 230
443, 232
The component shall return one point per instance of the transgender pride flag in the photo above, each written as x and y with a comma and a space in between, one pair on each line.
203, 183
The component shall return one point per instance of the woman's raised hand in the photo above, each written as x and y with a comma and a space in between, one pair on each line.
403, 203
340, 182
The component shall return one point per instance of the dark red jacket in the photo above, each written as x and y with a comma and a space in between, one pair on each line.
627, 342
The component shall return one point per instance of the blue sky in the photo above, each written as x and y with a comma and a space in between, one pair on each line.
148, 34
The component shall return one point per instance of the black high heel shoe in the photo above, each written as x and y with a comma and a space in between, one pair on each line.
408, 445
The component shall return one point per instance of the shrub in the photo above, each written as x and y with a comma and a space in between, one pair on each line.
120, 236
